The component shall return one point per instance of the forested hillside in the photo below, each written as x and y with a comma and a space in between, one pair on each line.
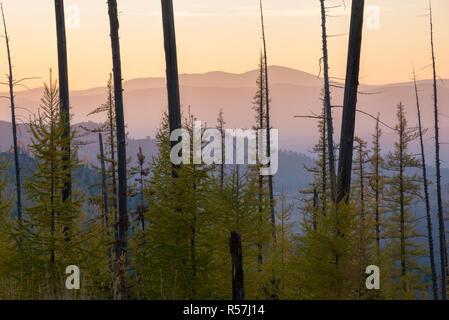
224, 209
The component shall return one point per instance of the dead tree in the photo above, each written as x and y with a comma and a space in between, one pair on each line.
121, 243
104, 189
327, 100
315, 204
426, 197
441, 229
350, 101
376, 183
238, 287
267, 115
13, 123
220, 127
142, 172
171, 61
105, 193
63, 91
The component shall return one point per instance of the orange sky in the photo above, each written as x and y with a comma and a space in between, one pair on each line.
222, 35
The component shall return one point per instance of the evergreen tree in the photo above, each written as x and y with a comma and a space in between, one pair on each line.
44, 247
282, 256
140, 173
122, 222
403, 189
325, 259
108, 127
173, 262
11, 83
377, 183
320, 185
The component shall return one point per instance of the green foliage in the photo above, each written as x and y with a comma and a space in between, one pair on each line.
179, 239
401, 231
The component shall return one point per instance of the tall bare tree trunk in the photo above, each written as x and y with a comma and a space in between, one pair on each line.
402, 230
260, 193
13, 124
267, 115
220, 127
426, 197
171, 60
121, 244
104, 189
112, 119
376, 184
327, 100
315, 204
63, 90
238, 287
350, 101
443, 251
103, 181
362, 245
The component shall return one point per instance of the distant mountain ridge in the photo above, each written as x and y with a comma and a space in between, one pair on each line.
293, 92
291, 177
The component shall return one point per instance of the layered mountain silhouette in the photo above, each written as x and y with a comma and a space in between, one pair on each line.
293, 92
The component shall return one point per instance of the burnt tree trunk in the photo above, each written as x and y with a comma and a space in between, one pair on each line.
121, 244
441, 228
112, 119
350, 101
105, 193
267, 115
260, 193
235, 246
104, 189
171, 60
221, 124
315, 204
13, 124
426, 197
376, 184
402, 206
63, 90
327, 100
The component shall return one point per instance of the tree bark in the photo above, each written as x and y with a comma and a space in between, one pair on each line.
376, 185
401, 204
63, 90
171, 60
441, 228
426, 197
267, 115
350, 101
103, 181
13, 124
238, 288
121, 244
327, 100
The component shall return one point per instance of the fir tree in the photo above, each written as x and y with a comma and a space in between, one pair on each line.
364, 221
46, 250
401, 230
121, 241
324, 258
376, 183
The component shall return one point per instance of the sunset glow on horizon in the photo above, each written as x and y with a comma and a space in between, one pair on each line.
223, 36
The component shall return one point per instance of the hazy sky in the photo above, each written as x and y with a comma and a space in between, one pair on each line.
223, 35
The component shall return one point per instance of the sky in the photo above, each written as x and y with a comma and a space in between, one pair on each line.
215, 35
